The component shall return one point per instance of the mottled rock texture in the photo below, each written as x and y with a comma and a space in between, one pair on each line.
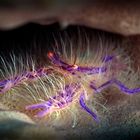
111, 15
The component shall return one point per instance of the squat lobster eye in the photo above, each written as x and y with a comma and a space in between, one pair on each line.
74, 66
50, 55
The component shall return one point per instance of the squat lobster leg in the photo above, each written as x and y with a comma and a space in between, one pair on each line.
83, 105
46, 106
121, 86
57, 102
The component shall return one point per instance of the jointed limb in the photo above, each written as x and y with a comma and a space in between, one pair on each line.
119, 84
83, 105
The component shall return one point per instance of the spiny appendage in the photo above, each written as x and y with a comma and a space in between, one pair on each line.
92, 70
116, 82
6, 85
62, 100
83, 105
58, 102
55, 59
